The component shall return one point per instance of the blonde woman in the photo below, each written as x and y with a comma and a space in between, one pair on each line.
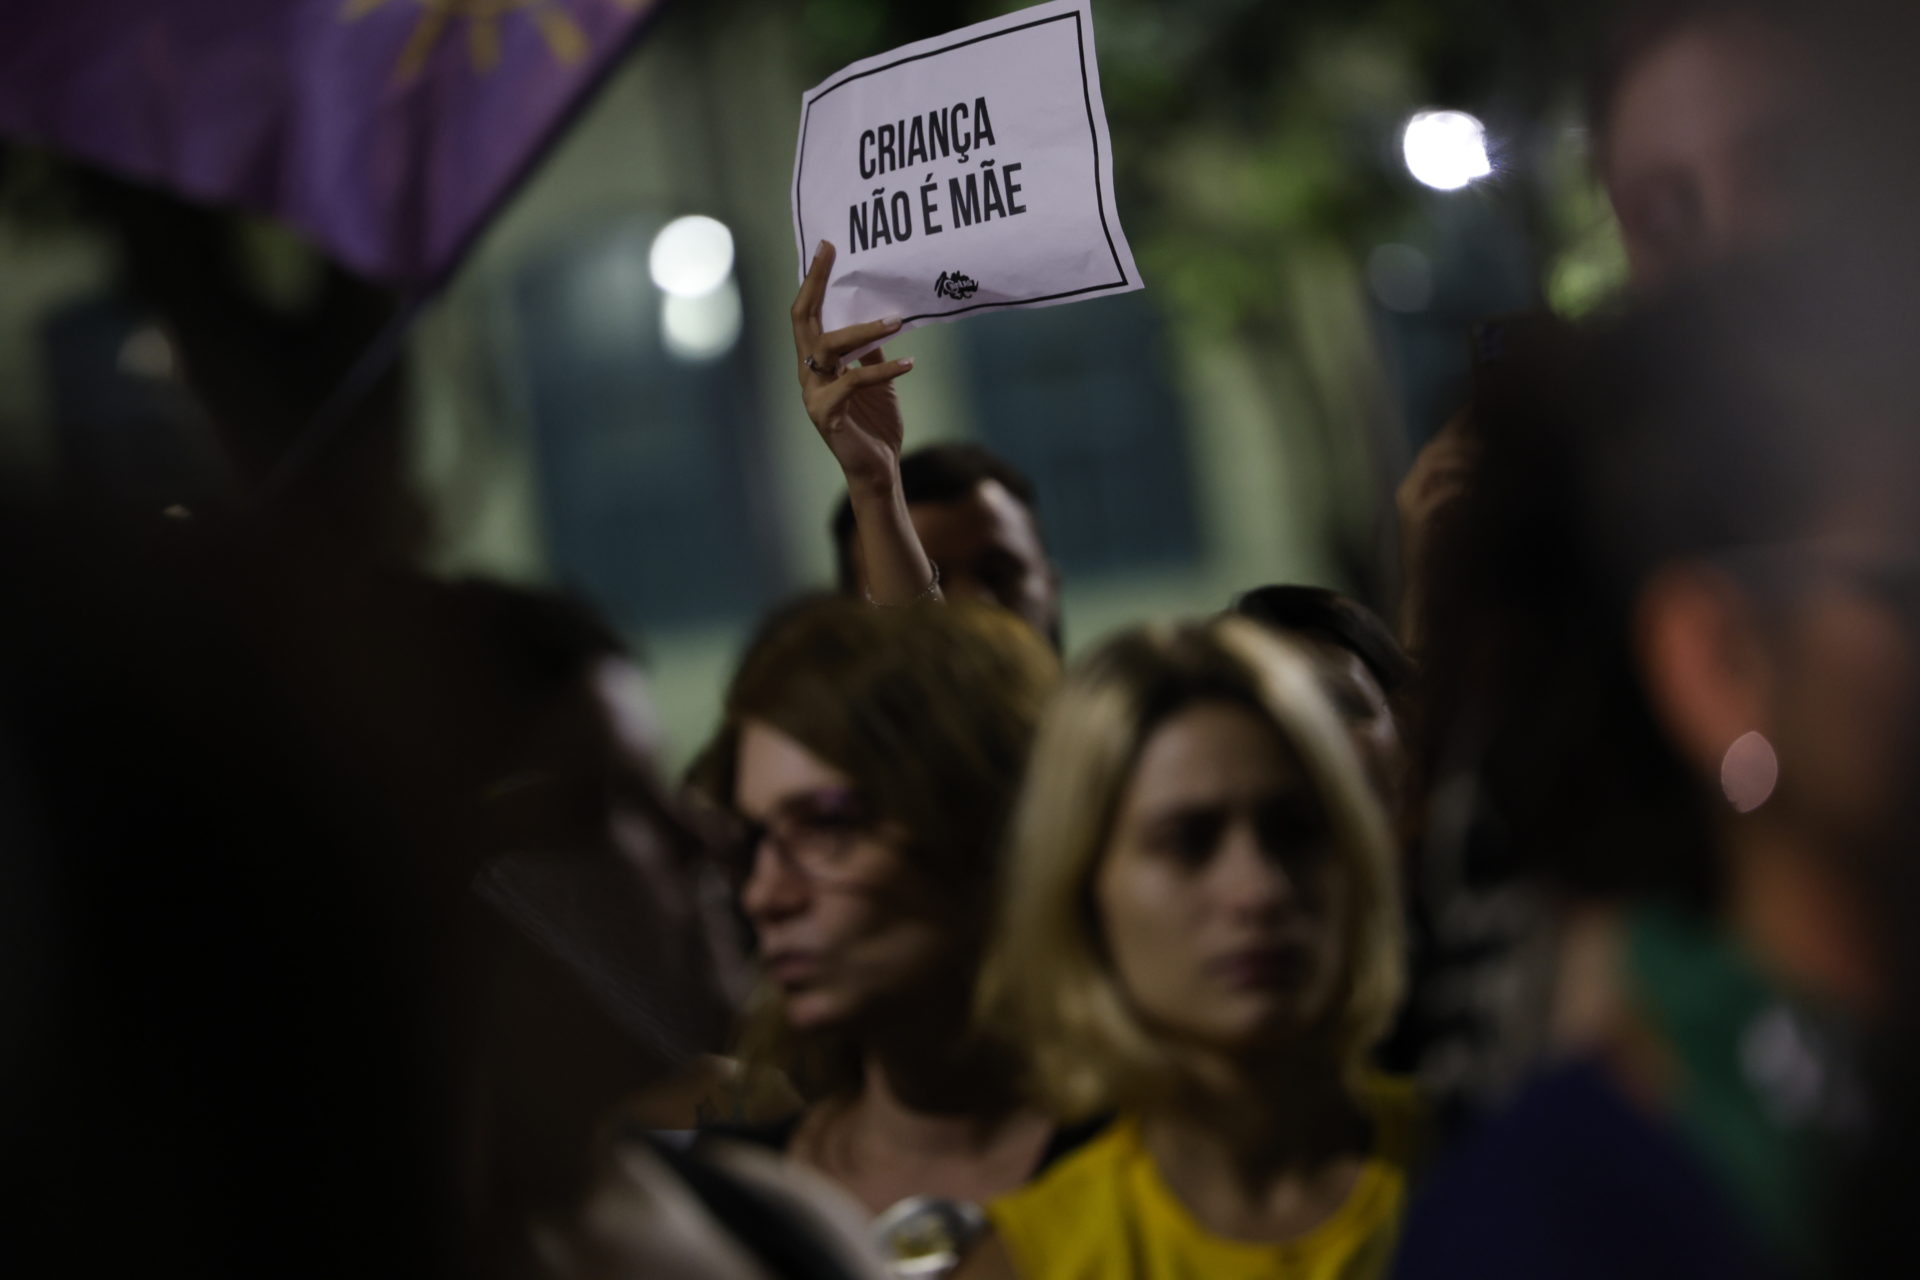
1201, 932
874, 756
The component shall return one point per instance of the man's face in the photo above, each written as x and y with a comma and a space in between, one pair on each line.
1708, 145
988, 548
1368, 714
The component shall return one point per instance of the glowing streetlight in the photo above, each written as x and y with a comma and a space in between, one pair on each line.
1446, 150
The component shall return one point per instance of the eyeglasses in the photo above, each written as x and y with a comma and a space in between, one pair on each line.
1893, 577
812, 834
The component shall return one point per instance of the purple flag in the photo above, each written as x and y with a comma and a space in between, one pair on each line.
388, 130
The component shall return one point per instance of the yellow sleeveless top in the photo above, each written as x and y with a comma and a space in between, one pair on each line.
1104, 1214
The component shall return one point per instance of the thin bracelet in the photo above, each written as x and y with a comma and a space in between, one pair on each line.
927, 593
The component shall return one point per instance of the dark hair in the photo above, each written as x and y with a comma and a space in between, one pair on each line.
929, 710
1732, 414
1320, 614
933, 473
542, 640
196, 882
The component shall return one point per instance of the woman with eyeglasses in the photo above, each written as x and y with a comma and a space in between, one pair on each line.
871, 756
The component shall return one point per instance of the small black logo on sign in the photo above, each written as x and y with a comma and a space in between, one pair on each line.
952, 284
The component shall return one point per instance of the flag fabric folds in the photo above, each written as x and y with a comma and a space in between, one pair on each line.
387, 130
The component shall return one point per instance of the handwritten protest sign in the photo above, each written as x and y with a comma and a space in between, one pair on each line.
967, 173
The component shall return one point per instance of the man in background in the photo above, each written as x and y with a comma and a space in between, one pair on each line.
975, 516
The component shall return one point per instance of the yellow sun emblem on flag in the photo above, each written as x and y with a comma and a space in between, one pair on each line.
482, 19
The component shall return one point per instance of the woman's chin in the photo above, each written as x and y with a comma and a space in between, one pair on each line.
1256, 1030
816, 1009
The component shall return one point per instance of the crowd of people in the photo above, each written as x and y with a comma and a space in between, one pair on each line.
1559, 930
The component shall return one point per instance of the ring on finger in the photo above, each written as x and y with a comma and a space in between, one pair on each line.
822, 367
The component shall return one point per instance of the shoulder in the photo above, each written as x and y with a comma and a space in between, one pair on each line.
796, 1222
731, 1211
1572, 1179
1088, 1164
987, 1260
1402, 1116
1070, 1138
1075, 1200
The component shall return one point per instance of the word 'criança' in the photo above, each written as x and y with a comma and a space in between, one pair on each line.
956, 131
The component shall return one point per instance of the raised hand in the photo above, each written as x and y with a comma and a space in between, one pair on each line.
1427, 499
852, 406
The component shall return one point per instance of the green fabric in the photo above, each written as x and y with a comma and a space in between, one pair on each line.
1703, 995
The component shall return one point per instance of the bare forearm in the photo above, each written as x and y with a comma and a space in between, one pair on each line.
896, 565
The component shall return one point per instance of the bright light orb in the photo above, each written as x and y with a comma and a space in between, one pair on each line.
703, 328
691, 256
1446, 150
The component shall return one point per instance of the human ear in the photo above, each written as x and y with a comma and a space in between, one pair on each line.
1707, 676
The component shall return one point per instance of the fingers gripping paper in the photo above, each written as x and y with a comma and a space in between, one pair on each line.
967, 173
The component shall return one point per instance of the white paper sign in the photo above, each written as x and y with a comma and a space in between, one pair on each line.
963, 174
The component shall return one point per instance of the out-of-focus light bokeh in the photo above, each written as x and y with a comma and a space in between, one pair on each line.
692, 256
1446, 150
703, 327
147, 354
1400, 278
1749, 772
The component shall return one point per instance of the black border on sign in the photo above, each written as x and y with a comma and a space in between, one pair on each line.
1093, 137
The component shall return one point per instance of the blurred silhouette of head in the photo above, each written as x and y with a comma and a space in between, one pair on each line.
1364, 669
228, 973
242, 788
1691, 539
1725, 126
